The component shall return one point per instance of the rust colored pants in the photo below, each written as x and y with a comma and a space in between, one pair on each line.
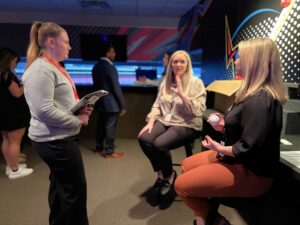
204, 176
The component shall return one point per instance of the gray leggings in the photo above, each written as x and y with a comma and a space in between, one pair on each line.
161, 140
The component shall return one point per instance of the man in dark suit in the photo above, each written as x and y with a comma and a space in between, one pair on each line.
110, 107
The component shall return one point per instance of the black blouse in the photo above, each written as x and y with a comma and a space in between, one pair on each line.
14, 113
253, 129
6, 78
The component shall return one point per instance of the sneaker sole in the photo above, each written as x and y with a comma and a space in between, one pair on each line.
15, 176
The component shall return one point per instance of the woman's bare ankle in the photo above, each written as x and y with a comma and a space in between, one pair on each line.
160, 175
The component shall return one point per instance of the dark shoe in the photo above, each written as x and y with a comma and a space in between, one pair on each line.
152, 197
166, 186
167, 200
167, 193
113, 155
157, 185
97, 150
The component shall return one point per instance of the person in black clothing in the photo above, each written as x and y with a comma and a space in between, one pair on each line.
14, 114
110, 107
252, 127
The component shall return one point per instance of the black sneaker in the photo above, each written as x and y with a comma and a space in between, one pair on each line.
167, 193
166, 186
157, 185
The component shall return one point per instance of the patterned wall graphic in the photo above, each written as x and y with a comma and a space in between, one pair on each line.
188, 24
258, 24
230, 50
143, 44
283, 27
286, 33
226, 23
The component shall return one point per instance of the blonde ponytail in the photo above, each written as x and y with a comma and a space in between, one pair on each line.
34, 49
39, 33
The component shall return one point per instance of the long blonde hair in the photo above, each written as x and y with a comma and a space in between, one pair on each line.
169, 77
261, 68
39, 33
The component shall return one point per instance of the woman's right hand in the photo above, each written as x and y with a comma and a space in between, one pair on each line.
122, 113
219, 125
84, 119
148, 127
141, 79
86, 110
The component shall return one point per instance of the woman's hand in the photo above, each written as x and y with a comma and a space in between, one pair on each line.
177, 88
141, 79
86, 111
219, 125
84, 115
84, 119
122, 113
211, 144
148, 127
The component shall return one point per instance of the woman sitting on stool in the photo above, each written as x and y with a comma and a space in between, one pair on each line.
174, 120
246, 165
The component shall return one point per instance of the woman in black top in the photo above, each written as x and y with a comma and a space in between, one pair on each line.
14, 114
245, 166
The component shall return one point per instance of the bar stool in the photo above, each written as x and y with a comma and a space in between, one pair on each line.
188, 147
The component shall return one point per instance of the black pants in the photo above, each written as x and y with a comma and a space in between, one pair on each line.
106, 130
67, 192
161, 140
